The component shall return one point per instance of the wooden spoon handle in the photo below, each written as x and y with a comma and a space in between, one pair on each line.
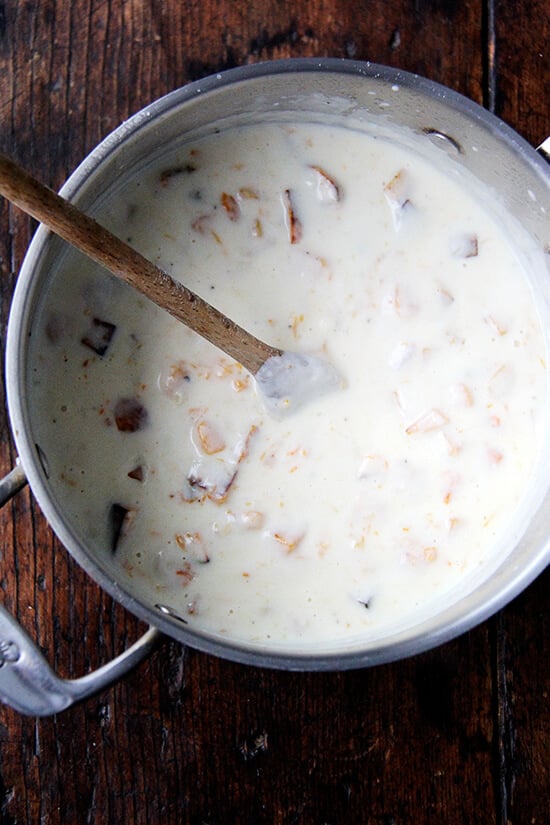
87, 235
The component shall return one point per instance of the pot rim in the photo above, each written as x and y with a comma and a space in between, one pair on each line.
452, 621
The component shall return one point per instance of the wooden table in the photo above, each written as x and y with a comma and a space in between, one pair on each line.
457, 735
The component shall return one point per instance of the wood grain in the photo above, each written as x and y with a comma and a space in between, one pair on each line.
456, 735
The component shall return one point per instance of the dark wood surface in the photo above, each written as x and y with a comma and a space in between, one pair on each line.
457, 735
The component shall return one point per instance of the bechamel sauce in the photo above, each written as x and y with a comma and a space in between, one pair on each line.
367, 508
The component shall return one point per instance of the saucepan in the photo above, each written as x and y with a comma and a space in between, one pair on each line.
475, 141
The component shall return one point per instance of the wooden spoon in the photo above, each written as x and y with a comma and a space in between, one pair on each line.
285, 380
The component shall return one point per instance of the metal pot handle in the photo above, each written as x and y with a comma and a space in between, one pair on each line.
27, 682
544, 149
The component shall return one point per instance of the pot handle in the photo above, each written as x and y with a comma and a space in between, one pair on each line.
544, 149
29, 685
12, 483
27, 682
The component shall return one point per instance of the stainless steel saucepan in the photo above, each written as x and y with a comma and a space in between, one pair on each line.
307, 89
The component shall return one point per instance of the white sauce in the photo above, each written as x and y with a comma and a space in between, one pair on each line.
369, 507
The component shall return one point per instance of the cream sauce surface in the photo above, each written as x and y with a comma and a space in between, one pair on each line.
367, 508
